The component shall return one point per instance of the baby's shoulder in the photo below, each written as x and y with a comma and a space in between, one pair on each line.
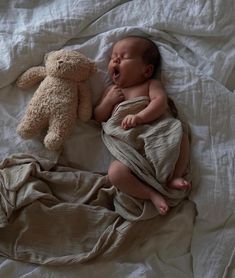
155, 83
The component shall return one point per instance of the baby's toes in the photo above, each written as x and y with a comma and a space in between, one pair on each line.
163, 209
186, 184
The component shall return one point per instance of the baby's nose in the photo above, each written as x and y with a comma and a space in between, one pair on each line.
117, 60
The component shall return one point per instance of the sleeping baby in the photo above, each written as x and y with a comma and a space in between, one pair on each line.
132, 68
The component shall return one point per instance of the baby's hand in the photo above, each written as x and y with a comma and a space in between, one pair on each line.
114, 95
130, 121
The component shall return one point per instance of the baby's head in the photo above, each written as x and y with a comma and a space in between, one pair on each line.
134, 60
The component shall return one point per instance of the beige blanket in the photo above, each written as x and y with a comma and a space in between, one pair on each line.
149, 150
59, 215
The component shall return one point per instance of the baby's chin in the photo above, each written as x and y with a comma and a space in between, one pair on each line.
119, 84
121, 81
116, 81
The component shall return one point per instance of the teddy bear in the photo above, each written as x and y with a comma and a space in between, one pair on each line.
62, 96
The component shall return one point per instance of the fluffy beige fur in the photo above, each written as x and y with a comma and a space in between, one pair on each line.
61, 97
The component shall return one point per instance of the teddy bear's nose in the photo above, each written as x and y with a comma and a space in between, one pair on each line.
60, 61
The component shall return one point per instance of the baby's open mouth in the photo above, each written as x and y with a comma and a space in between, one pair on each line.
116, 73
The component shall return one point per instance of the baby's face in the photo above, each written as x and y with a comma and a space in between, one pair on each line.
126, 66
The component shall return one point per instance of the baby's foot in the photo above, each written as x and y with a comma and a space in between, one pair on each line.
160, 203
179, 183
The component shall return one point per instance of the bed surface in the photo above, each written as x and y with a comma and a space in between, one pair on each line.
197, 43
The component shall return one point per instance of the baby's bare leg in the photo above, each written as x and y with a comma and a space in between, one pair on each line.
122, 178
177, 181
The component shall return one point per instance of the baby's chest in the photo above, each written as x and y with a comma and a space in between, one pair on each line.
137, 91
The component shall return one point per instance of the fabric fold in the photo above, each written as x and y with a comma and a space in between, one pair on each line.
150, 151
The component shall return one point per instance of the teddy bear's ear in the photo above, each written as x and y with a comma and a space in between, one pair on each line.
46, 56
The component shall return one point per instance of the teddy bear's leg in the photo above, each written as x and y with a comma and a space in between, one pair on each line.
59, 128
31, 124
85, 102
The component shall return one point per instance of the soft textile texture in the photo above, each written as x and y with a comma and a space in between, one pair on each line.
150, 151
66, 216
196, 40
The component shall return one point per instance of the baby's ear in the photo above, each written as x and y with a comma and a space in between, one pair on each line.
148, 71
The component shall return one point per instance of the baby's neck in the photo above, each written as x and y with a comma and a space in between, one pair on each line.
136, 90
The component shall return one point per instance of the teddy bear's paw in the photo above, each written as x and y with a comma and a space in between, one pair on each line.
53, 141
25, 132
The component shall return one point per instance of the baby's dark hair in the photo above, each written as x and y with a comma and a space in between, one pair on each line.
151, 54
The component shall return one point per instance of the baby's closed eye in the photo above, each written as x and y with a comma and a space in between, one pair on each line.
126, 56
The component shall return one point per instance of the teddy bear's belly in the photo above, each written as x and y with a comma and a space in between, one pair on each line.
56, 98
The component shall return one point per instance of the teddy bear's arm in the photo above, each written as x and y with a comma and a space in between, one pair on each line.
31, 77
85, 102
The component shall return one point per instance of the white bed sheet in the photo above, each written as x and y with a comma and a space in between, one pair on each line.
197, 43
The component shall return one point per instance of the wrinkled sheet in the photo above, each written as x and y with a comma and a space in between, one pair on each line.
65, 216
196, 41
150, 151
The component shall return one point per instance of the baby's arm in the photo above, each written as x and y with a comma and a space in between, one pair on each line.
157, 107
112, 96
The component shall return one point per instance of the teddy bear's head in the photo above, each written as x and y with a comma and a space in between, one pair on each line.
69, 65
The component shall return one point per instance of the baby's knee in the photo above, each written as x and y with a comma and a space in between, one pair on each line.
116, 170
113, 169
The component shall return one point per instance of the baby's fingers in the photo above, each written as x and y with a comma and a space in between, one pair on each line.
121, 97
124, 123
133, 122
127, 122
